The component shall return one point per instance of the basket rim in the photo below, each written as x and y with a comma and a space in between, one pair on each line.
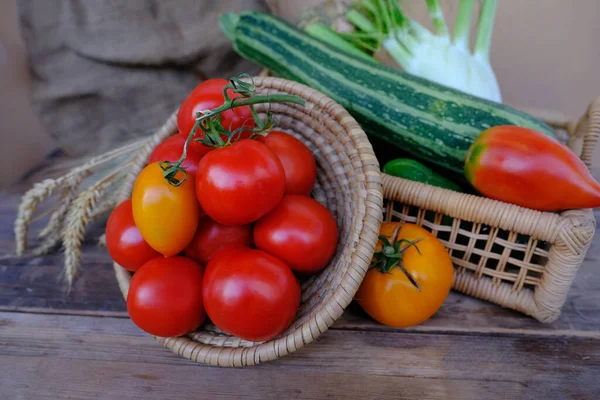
488, 211
368, 224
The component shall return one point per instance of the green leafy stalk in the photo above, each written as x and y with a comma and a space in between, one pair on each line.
397, 15
487, 13
437, 16
462, 24
360, 21
331, 37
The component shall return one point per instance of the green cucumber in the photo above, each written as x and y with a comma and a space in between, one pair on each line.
415, 171
431, 122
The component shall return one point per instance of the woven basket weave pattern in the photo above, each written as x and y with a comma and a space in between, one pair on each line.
348, 183
516, 257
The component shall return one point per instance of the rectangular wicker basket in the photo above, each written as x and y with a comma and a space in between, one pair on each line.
519, 258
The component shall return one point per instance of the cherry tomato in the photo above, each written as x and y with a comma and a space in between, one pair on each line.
300, 231
238, 184
165, 296
249, 293
388, 295
207, 96
171, 149
124, 241
167, 216
211, 236
297, 160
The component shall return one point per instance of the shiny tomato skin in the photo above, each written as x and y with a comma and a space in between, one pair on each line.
250, 294
214, 86
212, 236
167, 216
300, 231
171, 149
124, 241
207, 96
297, 160
238, 184
530, 169
165, 296
390, 298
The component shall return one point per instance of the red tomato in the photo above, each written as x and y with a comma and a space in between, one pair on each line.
212, 236
167, 216
165, 297
249, 293
124, 241
207, 96
297, 160
171, 149
300, 231
238, 184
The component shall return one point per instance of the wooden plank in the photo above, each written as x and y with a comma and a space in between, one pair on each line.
37, 282
54, 356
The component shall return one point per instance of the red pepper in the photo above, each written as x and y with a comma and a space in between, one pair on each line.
524, 167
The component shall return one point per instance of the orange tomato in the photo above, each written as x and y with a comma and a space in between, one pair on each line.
166, 216
390, 297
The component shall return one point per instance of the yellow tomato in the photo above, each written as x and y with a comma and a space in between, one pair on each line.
166, 216
390, 297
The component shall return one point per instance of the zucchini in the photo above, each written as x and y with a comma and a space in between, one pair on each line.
431, 122
415, 171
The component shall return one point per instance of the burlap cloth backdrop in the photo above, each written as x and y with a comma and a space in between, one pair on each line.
106, 71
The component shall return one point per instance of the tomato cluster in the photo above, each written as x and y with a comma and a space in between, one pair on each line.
227, 235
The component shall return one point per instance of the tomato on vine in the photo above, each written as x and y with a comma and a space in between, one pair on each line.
207, 96
166, 215
124, 241
240, 183
236, 183
410, 278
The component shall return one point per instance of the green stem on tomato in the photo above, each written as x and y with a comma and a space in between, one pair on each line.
391, 254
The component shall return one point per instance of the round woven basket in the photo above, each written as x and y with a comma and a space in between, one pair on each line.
348, 183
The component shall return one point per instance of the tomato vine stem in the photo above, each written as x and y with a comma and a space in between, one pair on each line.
209, 121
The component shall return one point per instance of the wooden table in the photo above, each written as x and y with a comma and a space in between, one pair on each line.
83, 345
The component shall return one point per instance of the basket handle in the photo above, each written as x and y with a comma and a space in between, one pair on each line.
584, 134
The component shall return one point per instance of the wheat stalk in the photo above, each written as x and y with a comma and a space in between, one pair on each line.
67, 196
69, 182
78, 217
28, 207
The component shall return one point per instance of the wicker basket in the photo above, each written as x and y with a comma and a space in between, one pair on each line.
516, 257
348, 183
